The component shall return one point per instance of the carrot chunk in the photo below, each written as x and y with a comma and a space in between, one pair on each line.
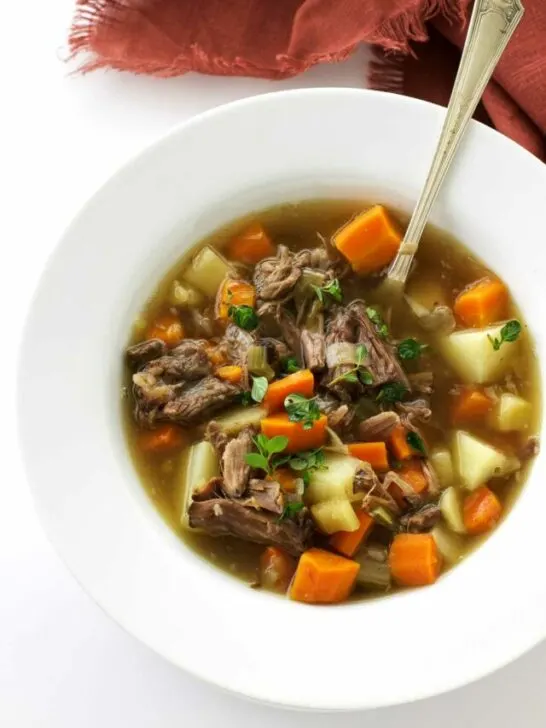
301, 382
412, 472
163, 439
369, 241
347, 542
285, 478
399, 445
323, 578
483, 302
232, 374
251, 246
374, 453
168, 328
481, 510
414, 559
234, 293
276, 569
298, 438
470, 404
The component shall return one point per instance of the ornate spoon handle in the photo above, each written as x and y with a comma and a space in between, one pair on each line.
491, 27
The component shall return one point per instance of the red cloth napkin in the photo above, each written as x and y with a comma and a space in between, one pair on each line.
280, 38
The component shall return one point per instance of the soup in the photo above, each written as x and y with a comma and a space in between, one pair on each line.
313, 437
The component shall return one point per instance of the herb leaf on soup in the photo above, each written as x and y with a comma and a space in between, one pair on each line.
416, 442
301, 409
377, 320
392, 392
244, 316
259, 388
410, 349
509, 333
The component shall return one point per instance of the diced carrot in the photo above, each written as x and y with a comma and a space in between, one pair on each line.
276, 569
481, 510
347, 542
470, 404
285, 478
412, 472
163, 439
232, 374
168, 328
251, 246
323, 578
414, 559
217, 355
298, 438
301, 382
483, 302
399, 445
234, 293
374, 453
369, 241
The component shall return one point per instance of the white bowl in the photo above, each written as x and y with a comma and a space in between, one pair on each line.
238, 158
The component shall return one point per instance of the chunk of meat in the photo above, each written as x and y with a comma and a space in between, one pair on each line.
202, 323
192, 357
313, 350
421, 520
221, 517
378, 427
210, 489
440, 320
418, 410
235, 470
237, 342
266, 495
198, 402
530, 448
275, 278
143, 352
313, 258
340, 329
365, 479
290, 332
421, 382
217, 438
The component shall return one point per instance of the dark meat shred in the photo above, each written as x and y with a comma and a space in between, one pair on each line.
378, 427
421, 520
290, 331
237, 342
313, 350
340, 416
418, 410
422, 382
217, 438
266, 495
210, 489
143, 352
198, 402
221, 517
530, 448
313, 258
234, 468
275, 278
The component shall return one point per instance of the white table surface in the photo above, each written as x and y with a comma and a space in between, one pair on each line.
63, 663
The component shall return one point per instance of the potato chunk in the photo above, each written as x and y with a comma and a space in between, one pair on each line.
471, 354
511, 413
477, 462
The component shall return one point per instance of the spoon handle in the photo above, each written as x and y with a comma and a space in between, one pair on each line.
491, 26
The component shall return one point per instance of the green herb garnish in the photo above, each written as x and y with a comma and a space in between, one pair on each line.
392, 392
244, 316
290, 365
377, 320
358, 372
267, 448
259, 388
509, 332
301, 409
245, 398
330, 290
291, 509
416, 442
410, 349
307, 461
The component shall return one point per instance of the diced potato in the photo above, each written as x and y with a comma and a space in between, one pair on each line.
452, 509
423, 295
472, 356
335, 515
207, 271
449, 544
511, 413
476, 461
440, 457
185, 296
237, 419
335, 482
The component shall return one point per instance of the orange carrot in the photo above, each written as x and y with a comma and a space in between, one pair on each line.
470, 404
414, 559
481, 510
232, 374
163, 439
298, 438
234, 293
374, 453
369, 241
276, 569
301, 382
285, 478
348, 542
168, 328
251, 246
399, 445
482, 303
412, 472
323, 578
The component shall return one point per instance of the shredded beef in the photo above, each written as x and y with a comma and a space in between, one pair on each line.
422, 382
421, 520
199, 401
217, 438
313, 350
275, 278
234, 468
378, 427
145, 351
418, 410
530, 448
237, 342
266, 495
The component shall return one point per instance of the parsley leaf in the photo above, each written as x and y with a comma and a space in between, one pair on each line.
332, 290
301, 409
290, 365
244, 316
410, 349
291, 509
416, 442
245, 398
255, 460
358, 372
259, 388
509, 332
392, 392
267, 447
377, 320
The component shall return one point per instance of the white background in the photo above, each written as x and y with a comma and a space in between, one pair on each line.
63, 663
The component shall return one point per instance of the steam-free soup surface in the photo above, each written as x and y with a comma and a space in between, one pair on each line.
311, 436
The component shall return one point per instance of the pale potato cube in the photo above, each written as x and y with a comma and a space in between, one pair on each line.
441, 461
476, 461
472, 356
511, 413
237, 419
335, 515
449, 544
335, 482
207, 271
452, 510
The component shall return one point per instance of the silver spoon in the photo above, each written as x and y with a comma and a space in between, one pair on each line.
491, 26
